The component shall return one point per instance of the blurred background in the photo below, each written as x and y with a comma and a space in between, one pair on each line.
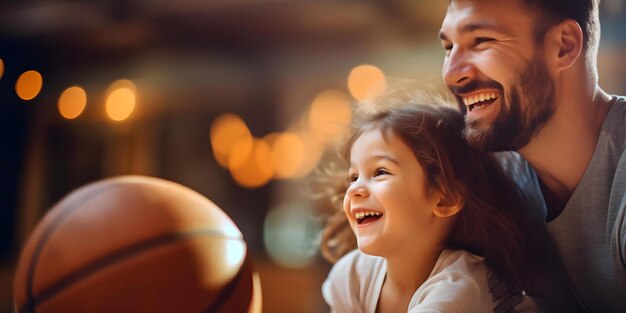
236, 99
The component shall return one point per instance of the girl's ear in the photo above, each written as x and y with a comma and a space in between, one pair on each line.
447, 205
565, 43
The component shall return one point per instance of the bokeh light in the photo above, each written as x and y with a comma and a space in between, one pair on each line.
240, 153
122, 83
288, 151
120, 103
72, 102
1, 68
330, 114
257, 169
28, 85
289, 234
227, 132
313, 151
363, 79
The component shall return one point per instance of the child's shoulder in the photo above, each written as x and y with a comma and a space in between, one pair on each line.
354, 282
460, 261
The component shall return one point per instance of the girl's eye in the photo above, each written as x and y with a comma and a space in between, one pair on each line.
353, 177
381, 171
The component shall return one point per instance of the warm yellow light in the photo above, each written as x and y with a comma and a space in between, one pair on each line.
287, 154
363, 79
72, 102
1, 68
28, 85
121, 83
257, 169
120, 104
330, 113
241, 151
314, 149
227, 131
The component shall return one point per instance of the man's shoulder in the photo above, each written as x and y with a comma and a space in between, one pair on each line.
618, 189
615, 121
618, 135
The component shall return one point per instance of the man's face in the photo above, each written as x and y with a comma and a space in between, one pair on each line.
496, 72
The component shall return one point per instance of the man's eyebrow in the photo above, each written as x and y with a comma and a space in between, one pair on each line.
470, 27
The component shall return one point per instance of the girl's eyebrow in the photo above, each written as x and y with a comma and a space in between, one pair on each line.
386, 157
380, 157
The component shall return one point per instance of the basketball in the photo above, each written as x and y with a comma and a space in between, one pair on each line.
135, 244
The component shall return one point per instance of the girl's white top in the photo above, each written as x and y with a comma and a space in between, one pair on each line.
457, 283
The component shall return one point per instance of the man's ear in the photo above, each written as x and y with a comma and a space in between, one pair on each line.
565, 42
447, 204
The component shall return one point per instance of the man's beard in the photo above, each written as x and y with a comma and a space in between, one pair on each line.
518, 122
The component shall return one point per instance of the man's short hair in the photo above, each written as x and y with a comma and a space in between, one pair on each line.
585, 12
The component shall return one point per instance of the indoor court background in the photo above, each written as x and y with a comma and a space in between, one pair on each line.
275, 65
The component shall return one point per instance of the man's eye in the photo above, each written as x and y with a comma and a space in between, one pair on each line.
481, 40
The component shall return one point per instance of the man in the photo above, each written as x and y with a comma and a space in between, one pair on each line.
525, 74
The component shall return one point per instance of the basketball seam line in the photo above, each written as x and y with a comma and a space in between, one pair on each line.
35, 258
225, 294
103, 262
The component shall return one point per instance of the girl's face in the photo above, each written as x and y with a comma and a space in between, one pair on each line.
388, 204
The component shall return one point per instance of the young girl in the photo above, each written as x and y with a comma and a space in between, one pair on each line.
434, 220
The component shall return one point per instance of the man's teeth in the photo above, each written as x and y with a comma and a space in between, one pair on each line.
480, 97
363, 214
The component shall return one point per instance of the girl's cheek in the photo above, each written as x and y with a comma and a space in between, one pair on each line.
346, 204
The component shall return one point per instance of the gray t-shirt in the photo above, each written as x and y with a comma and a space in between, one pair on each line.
590, 232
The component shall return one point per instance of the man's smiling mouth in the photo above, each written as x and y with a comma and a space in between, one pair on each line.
479, 99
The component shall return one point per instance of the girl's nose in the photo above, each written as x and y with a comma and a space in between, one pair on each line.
357, 189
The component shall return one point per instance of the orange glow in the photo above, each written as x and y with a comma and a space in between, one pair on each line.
257, 169
1, 68
240, 153
313, 151
287, 154
121, 83
227, 131
72, 102
330, 114
120, 104
28, 85
363, 79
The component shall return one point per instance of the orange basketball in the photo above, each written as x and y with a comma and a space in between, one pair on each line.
135, 244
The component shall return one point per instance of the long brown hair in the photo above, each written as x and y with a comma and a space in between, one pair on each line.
487, 225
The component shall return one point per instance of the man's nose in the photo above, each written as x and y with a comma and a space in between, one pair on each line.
458, 68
